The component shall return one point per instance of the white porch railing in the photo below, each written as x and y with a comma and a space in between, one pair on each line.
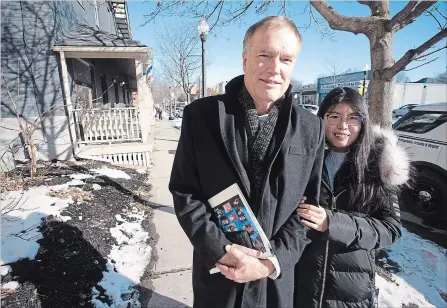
99, 126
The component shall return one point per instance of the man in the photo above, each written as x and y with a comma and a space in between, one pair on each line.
273, 150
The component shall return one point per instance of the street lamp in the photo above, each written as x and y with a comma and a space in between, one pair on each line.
203, 29
365, 69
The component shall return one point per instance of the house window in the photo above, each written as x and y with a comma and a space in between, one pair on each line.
105, 95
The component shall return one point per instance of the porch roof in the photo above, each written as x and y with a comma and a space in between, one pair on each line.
87, 42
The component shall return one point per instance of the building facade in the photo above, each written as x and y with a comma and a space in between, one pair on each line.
74, 71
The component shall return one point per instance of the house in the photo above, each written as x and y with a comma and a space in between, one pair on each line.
74, 72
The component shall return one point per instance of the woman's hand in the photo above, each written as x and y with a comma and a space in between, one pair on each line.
316, 217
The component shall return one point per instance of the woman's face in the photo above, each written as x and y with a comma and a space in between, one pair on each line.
342, 126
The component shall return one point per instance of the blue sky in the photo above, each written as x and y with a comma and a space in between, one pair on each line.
224, 46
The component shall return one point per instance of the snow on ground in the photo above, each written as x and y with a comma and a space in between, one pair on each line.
4, 270
19, 228
12, 285
421, 277
127, 261
80, 176
112, 173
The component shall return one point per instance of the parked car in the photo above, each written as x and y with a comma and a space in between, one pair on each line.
401, 111
423, 132
311, 108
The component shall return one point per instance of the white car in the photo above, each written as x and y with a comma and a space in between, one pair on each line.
401, 111
311, 108
423, 132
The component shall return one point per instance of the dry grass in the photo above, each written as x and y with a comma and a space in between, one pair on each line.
76, 194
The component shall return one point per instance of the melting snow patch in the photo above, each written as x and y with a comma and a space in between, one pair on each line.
422, 275
96, 186
12, 285
19, 227
80, 176
75, 182
112, 173
127, 261
4, 270
395, 294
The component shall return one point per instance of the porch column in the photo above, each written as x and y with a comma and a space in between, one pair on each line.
67, 101
145, 102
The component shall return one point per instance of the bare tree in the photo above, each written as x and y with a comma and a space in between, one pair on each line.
379, 28
296, 83
27, 127
441, 78
179, 55
334, 72
402, 77
160, 91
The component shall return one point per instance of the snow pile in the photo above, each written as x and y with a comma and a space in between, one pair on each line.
4, 270
112, 173
422, 275
127, 261
19, 227
12, 285
80, 176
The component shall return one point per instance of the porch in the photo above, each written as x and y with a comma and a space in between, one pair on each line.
109, 103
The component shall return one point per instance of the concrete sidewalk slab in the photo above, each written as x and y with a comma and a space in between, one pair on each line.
169, 292
173, 247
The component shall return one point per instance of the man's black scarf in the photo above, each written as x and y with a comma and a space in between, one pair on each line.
258, 137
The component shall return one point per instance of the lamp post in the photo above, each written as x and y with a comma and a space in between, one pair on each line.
365, 69
203, 29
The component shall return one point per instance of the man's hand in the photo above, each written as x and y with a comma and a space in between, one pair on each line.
247, 268
230, 260
316, 217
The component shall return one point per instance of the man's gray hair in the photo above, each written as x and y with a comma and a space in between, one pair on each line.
271, 22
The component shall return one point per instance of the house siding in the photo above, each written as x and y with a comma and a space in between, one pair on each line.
29, 29
31, 69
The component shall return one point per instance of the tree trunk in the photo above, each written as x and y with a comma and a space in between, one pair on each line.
381, 90
33, 156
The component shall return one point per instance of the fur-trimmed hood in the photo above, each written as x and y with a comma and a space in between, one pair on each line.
394, 163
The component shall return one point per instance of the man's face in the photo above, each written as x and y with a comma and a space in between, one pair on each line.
268, 63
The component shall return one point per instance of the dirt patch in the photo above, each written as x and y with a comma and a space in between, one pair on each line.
73, 254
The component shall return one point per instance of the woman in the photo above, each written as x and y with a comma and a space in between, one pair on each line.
363, 169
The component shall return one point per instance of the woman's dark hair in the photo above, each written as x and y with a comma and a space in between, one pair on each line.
359, 152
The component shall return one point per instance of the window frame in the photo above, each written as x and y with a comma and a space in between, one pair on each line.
414, 114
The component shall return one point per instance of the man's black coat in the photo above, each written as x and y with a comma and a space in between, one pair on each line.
212, 154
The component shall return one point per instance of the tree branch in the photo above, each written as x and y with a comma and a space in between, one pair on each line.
408, 15
437, 10
426, 55
221, 3
402, 14
378, 8
413, 68
339, 22
412, 54
436, 19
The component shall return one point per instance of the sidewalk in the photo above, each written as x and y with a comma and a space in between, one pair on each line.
171, 280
